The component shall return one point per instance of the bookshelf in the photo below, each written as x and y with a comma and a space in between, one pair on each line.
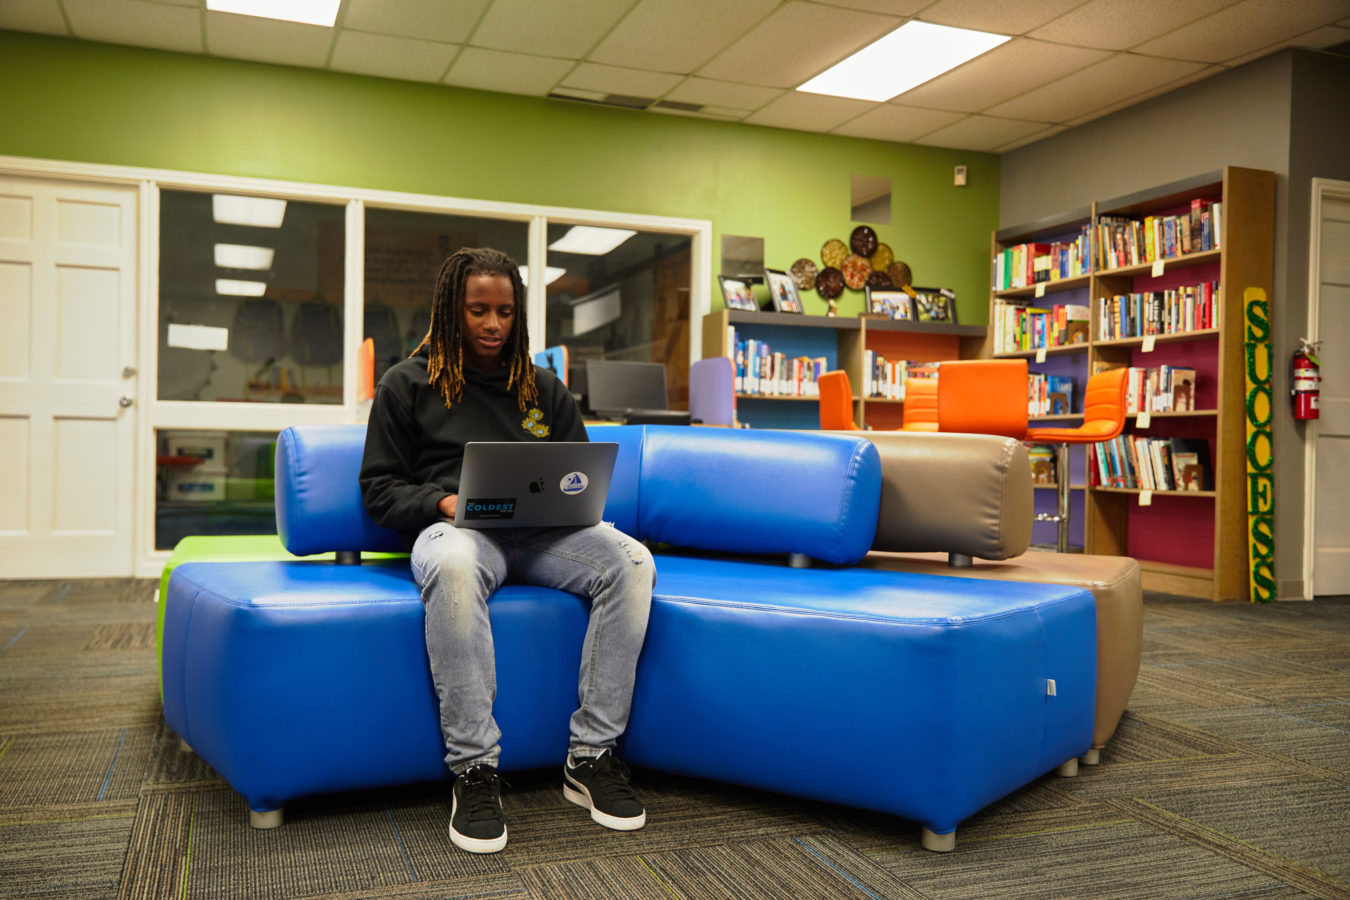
842, 342
1150, 314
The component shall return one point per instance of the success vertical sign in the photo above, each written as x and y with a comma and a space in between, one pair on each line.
1260, 474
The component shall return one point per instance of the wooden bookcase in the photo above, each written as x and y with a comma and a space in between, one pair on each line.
1191, 543
842, 341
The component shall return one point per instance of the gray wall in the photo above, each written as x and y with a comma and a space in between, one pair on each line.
1287, 113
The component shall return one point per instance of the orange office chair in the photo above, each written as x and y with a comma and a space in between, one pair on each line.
836, 402
983, 396
1103, 419
920, 412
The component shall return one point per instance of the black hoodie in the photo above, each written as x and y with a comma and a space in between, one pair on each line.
415, 446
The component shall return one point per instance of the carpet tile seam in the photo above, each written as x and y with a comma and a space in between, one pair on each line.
1039, 831
1258, 858
656, 875
837, 869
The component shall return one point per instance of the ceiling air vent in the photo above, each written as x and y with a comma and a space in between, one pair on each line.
623, 101
682, 107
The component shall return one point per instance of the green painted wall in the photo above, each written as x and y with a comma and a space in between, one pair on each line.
73, 100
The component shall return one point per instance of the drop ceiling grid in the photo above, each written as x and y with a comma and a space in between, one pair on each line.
136, 23
448, 21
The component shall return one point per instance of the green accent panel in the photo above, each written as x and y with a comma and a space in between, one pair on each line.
227, 548
74, 100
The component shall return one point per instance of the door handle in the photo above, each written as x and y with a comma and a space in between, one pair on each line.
124, 402
128, 371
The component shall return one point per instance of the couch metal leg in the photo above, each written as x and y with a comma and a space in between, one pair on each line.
938, 843
799, 561
1092, 757
1069, 768
265, 818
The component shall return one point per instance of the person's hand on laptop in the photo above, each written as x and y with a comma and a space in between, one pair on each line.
447, 505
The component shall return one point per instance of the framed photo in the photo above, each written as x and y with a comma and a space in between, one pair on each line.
737, 293
935, 305
889, 302
782, 291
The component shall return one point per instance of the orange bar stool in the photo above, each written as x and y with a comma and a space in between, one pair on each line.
920, 412
1103, 419
836, 402
983, 396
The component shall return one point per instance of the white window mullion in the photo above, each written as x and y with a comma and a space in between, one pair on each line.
536, 293
353, 304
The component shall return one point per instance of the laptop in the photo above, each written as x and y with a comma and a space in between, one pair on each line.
545, 484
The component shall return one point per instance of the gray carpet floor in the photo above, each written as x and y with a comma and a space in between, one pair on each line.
1229, 777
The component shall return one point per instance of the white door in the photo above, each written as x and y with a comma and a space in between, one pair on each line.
1331, 525
67, 347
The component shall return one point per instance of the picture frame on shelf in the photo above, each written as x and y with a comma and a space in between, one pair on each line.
892, 303
783, 296
936, 305
738, 293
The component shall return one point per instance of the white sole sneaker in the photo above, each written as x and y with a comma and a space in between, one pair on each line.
581, 797
474, 845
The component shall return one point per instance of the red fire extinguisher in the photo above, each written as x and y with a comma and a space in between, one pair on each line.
1307, 380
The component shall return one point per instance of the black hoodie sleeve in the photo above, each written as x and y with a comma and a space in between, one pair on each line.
567, 424
393, 497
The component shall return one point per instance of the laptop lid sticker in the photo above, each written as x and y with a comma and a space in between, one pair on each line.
574, 483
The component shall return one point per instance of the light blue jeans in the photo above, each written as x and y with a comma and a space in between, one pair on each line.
459, 568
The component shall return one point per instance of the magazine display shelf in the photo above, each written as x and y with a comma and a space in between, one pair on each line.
843, 342
1191, 543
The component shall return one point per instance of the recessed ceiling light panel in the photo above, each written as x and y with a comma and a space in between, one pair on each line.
551, 274
308, 12
260, 212
240, 256
233, 288
591, 240
907, 57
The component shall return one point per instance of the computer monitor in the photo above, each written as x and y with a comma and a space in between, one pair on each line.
615, 387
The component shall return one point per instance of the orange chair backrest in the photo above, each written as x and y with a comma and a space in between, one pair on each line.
365, 371
983, 396
920, 411
836, 402
1104, 404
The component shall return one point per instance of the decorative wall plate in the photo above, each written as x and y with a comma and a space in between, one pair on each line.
833, 253
879, 280
863, 240
830, 282
882, 259
900, 274
803, 273
856, 269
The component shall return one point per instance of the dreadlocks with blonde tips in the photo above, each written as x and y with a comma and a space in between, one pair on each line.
445, 340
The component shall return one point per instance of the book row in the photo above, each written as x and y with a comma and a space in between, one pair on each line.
1031, 327
1049, 395
1151, 464
762, 371
1025, 265
1123, 241
885, 378
1160, 389
1190, 308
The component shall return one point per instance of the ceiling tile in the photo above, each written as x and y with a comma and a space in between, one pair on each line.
890, 122
885, 7
513, 73
797, 42
721, 114
809, 112
1319, 39
1114, 25
998, 16
426, 20
980, 133
1135, 99
565, 28
42, 16
267, 40
722, 93
390, 57
614, 80
1004, 72
1031, 138
139, 24
1243, 28
1109, 81
674, 35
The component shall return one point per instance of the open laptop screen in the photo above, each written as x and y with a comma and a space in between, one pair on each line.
615, 386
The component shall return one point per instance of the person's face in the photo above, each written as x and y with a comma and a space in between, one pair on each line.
489, 312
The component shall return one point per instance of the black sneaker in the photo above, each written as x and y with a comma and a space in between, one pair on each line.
600, 784
476, 812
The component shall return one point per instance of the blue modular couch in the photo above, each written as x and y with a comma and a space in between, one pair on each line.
297, 677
